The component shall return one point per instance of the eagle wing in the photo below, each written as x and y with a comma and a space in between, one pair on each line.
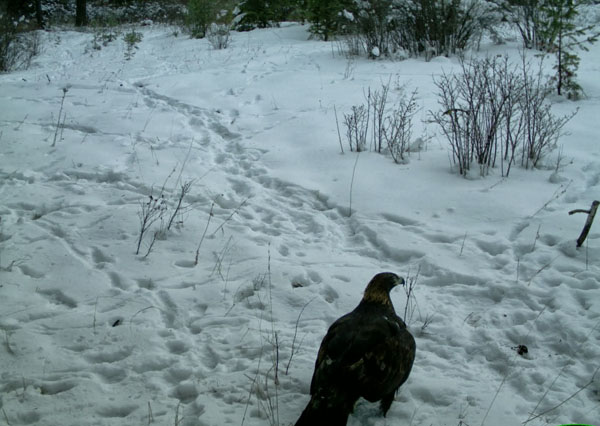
366, 354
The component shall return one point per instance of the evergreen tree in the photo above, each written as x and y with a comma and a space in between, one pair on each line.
561, 36
327, 16
525, 15
201, 13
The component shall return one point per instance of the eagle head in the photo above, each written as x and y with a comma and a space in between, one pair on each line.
378, 289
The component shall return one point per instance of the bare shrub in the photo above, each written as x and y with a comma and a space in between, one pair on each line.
541, 129
377, 101
397, 128
357, 127
491, 109
390, 128
150, 211
219, 36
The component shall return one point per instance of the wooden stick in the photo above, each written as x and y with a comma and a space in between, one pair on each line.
588, 223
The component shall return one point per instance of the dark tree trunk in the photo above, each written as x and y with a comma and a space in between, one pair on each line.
80, 13
39, 16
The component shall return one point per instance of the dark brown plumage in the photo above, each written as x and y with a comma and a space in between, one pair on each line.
366, 353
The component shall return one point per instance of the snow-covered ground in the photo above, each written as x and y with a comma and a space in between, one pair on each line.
93, 334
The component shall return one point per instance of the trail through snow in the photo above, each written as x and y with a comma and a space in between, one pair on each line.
94, 334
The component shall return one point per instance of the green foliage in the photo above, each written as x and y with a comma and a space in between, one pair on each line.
17, 46
131, 39
525, 15
384, 27
8, 37
201, 13
263, 13
561, 36
326, 16
437, 27
254, 13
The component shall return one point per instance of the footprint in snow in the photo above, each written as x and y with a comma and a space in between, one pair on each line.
109, 356
177, 347
57, 297
114, 411
100, 258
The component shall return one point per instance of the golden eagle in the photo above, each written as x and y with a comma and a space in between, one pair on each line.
366, 353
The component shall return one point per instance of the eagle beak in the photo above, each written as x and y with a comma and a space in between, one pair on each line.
400, 281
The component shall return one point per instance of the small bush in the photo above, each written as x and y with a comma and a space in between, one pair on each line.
375, 22
201, 13
439, 27
103, 35
17, 49
131, 39
491, 110
397, 128
219, 36
128, 12
414, 27
391, 129
357, 127
327, 17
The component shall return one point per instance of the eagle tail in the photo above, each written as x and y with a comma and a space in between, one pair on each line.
326, 411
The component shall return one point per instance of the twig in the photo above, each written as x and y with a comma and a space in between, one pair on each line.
151, 245
21, 122
541, 269
210, 215
140, 311
62, 101
230, 216
560, 373
560, 191
409, 287
220, 257
338, 128
5, 417
7, 343
573, 395
254, 379
276, 362
177, 419
185, 160
462, 245
164, 185
287, 367
150, 415
537, 235
95, 308
352, 183
150, 212
185, 188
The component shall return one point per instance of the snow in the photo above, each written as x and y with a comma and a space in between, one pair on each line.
94, 334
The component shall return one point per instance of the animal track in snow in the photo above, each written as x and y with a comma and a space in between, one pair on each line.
177, 347
109, 373
109, 355
115, 411
31, 272
57, 297
56, 387
99, 257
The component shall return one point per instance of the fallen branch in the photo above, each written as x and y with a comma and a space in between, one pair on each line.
588, 223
